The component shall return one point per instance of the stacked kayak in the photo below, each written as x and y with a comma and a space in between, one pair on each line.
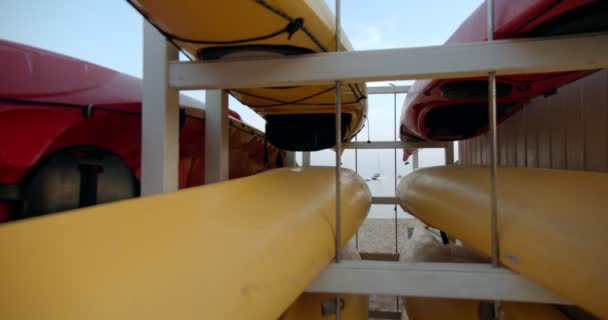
423, 247
297, 118
213, 258
70, 135
457, 109
551, 223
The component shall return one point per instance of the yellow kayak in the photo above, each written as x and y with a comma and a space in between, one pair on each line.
423, 247
298, 118
551, 223
246, 246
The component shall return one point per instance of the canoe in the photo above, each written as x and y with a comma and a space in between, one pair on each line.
423, 247
211, 258
63, 117
297, 118
551, 223
457, 109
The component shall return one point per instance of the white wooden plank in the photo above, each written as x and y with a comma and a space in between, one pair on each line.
559, 121
479, 150
543, 125
512, 143
484, 147
475, 154
531, 137
160, 117
472, 151
435, 280
581, 52
461, 152
520, 132
502, 140
575, 138
594, 120
466, 151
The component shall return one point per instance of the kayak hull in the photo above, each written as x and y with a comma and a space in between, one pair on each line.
56, 110
214, 258
456, 109
206, 30
550, 222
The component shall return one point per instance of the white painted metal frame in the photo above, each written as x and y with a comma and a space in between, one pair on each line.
436, 280
164, 75
449, 153
160, 117
291, 158
160, 122
447, 61
306, 159
388, 89
217, 129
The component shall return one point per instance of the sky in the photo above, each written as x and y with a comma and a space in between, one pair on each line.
109, 33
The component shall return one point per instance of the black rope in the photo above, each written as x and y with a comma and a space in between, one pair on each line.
286, 17
361, 96
297, 102
355, 92
87, 109
281, 102
292, 27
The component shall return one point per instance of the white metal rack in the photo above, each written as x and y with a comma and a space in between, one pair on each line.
164, 76
475, 59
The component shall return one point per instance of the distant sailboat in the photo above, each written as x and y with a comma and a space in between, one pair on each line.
379, 175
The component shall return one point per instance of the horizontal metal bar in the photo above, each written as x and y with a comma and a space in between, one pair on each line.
579, 52
433, 280
384, 200
393, 145
388, 89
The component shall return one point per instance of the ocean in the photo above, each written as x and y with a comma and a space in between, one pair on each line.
380, 163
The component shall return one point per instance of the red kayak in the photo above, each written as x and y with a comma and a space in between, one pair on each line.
70, 135
457, 109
